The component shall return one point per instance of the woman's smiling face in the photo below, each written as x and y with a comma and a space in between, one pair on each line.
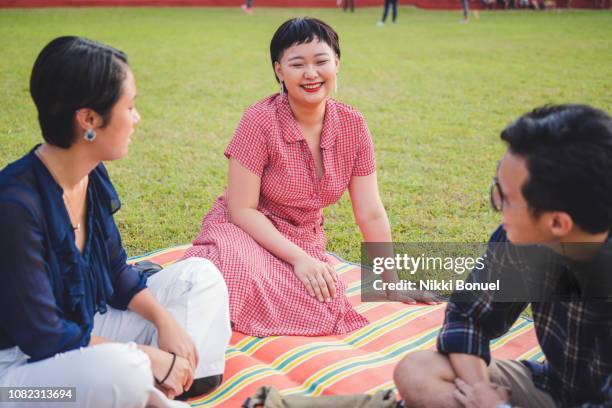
308, 71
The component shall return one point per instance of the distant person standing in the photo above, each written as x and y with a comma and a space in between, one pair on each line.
466, 11
348, 3
247, 7
388, 4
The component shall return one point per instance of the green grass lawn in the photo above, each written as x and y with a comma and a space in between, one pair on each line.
435, 94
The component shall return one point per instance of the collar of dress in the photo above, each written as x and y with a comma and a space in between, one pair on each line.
291, 130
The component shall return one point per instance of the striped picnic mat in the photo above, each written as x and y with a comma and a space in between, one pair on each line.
358, 362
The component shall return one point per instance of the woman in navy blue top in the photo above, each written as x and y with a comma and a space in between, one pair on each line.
65, 281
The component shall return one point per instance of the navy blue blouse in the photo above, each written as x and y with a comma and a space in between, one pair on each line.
49, 290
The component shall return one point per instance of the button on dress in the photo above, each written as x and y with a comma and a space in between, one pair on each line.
266, 298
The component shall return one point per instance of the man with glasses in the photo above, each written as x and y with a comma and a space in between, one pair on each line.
553, 189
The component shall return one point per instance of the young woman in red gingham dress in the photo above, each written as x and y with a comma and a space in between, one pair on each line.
293, 154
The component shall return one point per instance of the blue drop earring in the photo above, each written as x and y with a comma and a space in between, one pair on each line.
89, 135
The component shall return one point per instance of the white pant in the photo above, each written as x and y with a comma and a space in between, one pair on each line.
119, 374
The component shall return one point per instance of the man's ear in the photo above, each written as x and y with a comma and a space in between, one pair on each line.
559, 223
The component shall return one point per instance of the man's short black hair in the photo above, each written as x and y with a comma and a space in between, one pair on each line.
568, 152
301, 30
71, 73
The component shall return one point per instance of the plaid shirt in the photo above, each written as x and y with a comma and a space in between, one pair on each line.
575, 337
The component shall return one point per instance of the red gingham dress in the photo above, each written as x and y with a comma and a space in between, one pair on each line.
266, 298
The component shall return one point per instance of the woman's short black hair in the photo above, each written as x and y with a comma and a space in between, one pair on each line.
568, 153
71, 73
301, 30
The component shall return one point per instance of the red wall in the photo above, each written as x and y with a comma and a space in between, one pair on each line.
426, 4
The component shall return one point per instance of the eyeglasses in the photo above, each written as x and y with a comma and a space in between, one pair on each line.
496, 196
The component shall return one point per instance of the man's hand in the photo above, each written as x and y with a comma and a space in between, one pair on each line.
480, 395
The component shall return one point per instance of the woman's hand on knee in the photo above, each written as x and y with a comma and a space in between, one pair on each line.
173, 374
171, 337
318, 277
180, 378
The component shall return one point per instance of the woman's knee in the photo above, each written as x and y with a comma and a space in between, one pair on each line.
207, 283
202, 272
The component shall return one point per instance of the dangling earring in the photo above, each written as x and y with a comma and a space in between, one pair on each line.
336, 85
282, 88
89, 135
